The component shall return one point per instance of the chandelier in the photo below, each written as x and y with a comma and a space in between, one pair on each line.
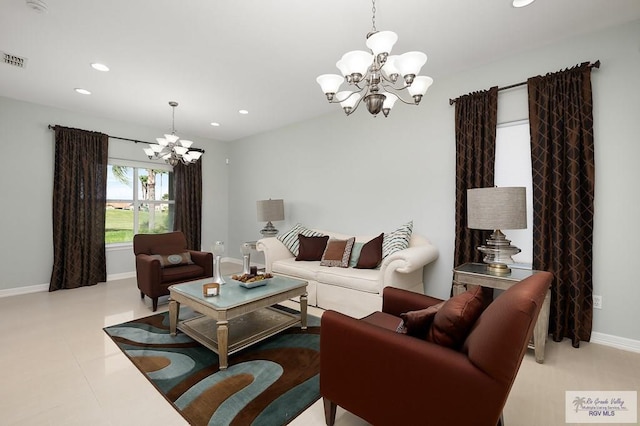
380, 78
171, 148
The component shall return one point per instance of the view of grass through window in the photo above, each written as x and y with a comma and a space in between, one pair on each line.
139, 200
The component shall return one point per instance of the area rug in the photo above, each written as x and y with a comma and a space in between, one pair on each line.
269, 383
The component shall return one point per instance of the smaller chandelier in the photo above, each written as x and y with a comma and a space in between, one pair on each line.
171, 148
380, 78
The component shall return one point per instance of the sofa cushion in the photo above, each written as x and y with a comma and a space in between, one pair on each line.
371, 254
397, 240
417, 323
181, 273
175, 259
290, 238
367, 280
453, 322
303, 270
311, 248
337, 253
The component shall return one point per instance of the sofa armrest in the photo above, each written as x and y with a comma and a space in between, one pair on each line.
148, 273
273, 250
396, 301
410, 259
203, 259
367, 370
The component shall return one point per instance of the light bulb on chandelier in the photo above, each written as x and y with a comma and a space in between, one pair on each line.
379, 77
171, 148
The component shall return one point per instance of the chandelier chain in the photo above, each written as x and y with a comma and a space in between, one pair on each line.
373, 17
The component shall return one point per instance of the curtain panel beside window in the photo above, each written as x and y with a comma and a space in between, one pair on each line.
188, 194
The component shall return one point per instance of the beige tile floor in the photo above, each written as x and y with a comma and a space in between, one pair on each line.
60, 368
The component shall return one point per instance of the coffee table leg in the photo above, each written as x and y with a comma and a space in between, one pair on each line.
174, 310
303, 311
223, 342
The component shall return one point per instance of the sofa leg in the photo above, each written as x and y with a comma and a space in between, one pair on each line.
155, 304
329, 411
142, 295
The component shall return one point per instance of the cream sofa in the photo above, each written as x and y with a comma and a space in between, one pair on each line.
353, 292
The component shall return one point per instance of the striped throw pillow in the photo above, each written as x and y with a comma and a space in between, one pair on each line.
290, 238
397, 240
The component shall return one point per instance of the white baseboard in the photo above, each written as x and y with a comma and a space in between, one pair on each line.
122, 276
615, 341
24, 290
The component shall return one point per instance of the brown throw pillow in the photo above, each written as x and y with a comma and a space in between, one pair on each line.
418, 323
371, 254
452, 323
337, 253
311, 248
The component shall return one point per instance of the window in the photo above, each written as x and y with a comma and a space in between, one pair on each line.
513, 168
139, 200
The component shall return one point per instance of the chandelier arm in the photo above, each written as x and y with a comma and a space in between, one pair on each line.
396, 92
334, 101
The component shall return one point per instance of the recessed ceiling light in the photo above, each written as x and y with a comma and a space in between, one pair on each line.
82, 91
100, 67
522, 3
243, 111
214, 124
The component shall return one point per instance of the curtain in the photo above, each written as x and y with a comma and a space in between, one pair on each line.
562, 152
476, 120
188, 197
79, 195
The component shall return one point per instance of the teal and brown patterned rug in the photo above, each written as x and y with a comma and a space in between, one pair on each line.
269, 383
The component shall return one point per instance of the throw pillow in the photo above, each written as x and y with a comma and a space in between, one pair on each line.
397, 240
371, 254
311, 248
173, 259
290, 238
337, 253
418, 323
453, 322
355, 254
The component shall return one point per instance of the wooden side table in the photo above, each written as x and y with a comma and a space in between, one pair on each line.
478, 274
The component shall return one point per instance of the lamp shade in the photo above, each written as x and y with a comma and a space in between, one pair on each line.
270, 210
420, 85
382, 42
330, 83
497, 208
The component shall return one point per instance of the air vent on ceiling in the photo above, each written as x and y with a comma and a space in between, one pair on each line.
14, 60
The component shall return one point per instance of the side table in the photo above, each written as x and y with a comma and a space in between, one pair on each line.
478, 274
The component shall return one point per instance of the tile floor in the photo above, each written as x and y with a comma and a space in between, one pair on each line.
60, 368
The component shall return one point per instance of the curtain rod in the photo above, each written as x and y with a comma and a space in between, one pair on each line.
53, 127
596, 64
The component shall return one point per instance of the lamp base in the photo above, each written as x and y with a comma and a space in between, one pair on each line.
497, 253
269, 230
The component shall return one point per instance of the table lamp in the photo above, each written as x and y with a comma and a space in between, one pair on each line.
270, 210
495, 209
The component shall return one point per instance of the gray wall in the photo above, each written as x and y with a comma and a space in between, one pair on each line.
26, 176
365, 175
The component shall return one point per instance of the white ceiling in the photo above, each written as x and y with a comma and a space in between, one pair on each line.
215, 57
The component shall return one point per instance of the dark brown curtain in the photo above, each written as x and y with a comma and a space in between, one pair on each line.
561, 122
476, 121
79, 195
188, 195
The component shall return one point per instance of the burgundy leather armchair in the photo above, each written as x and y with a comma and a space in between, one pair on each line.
153, 279
388, 378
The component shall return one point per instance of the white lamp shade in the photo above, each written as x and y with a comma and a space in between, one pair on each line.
186, 158
357, 61
390, 100
348, 98
156, 148
171, 138
195, 154
162, 141
180, 150
186, 144
149, 152
389, 66
420, 85
497, 208
410, 63
270, 210
330, 83
382, 42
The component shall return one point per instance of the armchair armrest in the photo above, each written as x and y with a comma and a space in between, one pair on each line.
391, 378
203, 259
396, 301
148, 272
273, 250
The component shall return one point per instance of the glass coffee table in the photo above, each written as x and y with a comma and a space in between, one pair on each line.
238, 317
